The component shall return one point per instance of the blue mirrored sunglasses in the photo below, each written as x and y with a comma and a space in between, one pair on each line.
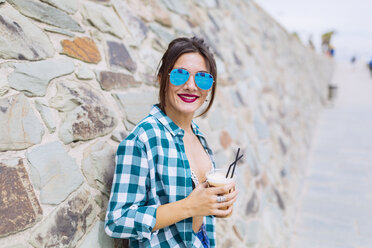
203, 80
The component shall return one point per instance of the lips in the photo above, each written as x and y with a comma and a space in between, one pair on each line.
188, 97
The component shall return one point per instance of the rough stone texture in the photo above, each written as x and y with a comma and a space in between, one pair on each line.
46, 114
59, 31
225, 139
98, 166
119, 56
136, 27
115, 80
252, 206
97, 238
20, 126
4, 87
104, 18
82, 48
20, 208
53, 172
84, 73
163, 33
20, 39
118, 135
83, 113
136, 106
33, 78
46, 13
69, 6
67, 224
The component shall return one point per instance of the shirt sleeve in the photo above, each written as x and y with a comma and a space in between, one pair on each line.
131, 211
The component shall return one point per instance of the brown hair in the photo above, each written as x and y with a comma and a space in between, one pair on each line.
175, 49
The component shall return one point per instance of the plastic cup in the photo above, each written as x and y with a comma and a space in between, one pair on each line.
217, 178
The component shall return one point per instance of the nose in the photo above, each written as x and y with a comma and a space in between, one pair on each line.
190, 84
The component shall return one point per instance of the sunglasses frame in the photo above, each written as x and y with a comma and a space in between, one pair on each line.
193, 76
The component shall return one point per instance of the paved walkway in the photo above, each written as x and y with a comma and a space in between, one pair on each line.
335, 209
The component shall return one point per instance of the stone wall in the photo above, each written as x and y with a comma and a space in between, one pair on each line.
76, 76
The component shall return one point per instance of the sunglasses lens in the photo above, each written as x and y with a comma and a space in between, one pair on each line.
204, 80
178, 76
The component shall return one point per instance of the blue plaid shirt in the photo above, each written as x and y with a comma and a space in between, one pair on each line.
152, 170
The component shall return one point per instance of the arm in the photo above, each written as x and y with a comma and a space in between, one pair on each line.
131, 211
201, 202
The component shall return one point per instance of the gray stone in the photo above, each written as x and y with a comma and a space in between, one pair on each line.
20, 208
217, 120
54, 172
4, 87
23, 129
59, 31
252, 206
180, 7
264, 153
67, 224
20, 39
84, 73
163, 33
261, 128
136, 27
115, 80
104, 18
98, 166
2, 1
136, 106
207, 3
69, 6
97, 238
83, 112
46, 114
119, 135
46, 13
252, 229
33, 78
119, 56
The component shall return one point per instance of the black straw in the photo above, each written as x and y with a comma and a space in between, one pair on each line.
232, 174
236, 159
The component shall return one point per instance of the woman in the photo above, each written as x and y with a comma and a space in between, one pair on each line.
156, 198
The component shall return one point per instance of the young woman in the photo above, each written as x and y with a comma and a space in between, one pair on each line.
159, 196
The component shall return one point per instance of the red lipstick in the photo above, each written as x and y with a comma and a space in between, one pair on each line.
189, 98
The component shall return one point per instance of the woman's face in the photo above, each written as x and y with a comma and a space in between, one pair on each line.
188, 97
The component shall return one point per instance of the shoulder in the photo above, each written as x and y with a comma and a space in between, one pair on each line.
144, 131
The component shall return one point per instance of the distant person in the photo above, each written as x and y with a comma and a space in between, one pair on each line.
331, 51
353, 59
370, 66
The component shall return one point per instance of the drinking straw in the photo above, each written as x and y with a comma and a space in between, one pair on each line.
232, 174
236, 159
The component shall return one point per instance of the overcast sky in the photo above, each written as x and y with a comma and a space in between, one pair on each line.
351, 19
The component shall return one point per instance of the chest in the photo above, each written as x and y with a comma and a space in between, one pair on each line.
198, 158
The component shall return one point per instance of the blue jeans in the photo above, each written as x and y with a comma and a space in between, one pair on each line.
202, 235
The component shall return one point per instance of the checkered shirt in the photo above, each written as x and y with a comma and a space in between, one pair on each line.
151, 170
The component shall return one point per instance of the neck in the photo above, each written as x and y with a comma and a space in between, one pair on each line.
181, 120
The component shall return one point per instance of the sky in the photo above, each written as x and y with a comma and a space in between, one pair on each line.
351, 19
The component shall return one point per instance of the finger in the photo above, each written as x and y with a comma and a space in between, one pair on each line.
222, 189
223, 213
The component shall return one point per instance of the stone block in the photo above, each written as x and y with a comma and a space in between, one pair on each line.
83, 111
23, 128
46, 114
69, 6
82, 48
33, 77
97, 238
98, 166
118, 55
53, 172
46, 13
20, 208
67, 224
116, 81
20, 38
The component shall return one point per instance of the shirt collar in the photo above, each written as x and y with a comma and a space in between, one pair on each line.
169, 124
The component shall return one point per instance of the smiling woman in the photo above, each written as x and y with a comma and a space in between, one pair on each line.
159, 196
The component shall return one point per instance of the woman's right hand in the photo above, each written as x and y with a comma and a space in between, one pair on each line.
203, 200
